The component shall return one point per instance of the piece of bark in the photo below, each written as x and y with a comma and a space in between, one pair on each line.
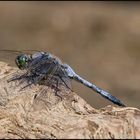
31, 113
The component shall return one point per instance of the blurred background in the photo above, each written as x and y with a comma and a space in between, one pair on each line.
99, 40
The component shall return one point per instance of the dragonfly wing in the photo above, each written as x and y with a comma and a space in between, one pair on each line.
65, 79
39, 64
8, 57
57, 76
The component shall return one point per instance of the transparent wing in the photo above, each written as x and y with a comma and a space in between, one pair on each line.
50, 71
60, 77
10, 55
45, 72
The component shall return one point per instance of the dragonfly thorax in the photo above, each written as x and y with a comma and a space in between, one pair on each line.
22, 61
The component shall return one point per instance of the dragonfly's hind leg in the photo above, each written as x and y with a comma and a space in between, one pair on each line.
53, 83
65, 83
57, 89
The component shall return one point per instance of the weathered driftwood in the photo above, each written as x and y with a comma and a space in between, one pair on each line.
30, 114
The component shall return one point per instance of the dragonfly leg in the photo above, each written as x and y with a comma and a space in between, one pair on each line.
17, 78
57, 89
64, 74
25, 86
65, 84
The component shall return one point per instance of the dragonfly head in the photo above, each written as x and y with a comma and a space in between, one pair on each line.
22, 61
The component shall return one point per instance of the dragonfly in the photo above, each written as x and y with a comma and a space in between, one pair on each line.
44, 66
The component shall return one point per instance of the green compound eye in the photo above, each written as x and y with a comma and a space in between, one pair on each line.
22, 61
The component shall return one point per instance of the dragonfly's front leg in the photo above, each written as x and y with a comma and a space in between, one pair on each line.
25, 75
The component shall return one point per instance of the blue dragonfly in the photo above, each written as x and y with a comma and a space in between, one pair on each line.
44, 66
